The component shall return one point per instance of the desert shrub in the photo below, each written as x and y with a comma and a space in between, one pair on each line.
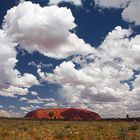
58, 134
90, 136
22, 128
5, 133
67, 126
122, 133
134, 126
38, 138
51, 114
100, 126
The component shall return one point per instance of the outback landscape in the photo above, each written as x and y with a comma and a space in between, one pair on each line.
68, 124
70, 70
27, 129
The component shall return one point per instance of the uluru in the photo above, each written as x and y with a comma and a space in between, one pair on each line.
63, 114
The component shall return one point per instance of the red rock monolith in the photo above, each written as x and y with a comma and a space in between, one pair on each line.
63, 114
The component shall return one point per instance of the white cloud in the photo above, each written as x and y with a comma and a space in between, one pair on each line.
1, 106
131, 8
23, 99
40, 64
51, 104
7, 60
4, 113
12, 106
66, 73
26, 80
12, 91
97, 85
32, 63
10, 113
76, 2
45, 30
35, 101
131, 13
34, 93
112, 4
136, 83
38, 100
22, 1
46, 99
11, 81
26, 108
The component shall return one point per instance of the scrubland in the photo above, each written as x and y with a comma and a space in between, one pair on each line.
22, 129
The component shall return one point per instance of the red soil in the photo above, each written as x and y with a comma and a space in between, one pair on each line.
64, 114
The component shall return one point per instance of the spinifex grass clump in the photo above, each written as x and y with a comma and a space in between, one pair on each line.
134, 126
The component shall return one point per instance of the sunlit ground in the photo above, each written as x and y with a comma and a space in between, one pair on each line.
12, 129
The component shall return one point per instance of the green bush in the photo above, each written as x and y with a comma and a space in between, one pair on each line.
51, 114
134, 126
67, 126
58, 134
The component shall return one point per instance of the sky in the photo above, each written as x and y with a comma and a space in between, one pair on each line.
70, 53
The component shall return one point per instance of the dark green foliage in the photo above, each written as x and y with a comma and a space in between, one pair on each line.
51, 114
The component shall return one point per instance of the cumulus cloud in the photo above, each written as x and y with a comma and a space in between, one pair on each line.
29, 108
26, 109
38, 100
4, 113
23, 99
131, 8
22, 1
40, 64
98, 85
112, 4
51, 104
25, 80
131, 13
41, 33
12, 81
12, 107
136, 82
93, 78
34, 101
32, 63
12, 91
34, 93
7, 60
76, 2
1, 106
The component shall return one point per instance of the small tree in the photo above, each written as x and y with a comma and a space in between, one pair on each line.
127, 116
51, 114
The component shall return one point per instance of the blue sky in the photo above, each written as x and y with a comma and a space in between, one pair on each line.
70, 54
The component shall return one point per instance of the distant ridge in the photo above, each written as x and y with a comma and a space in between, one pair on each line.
63, 114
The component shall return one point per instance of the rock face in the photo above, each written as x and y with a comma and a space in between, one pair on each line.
63, 114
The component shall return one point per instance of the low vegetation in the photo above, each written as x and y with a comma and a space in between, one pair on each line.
22, 129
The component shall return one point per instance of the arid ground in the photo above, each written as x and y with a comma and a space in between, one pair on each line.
22, 129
